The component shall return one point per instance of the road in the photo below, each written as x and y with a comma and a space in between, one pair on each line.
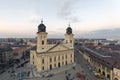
7, 75
84, 64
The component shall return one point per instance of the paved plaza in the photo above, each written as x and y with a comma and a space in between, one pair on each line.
64, 73
61, 75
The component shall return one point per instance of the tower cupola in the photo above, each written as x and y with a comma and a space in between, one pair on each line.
69, 30
41, 27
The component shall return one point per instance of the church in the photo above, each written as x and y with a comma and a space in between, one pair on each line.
46, 57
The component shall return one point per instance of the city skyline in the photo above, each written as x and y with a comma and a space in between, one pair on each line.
88, 18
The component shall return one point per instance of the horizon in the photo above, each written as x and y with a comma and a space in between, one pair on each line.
88, 19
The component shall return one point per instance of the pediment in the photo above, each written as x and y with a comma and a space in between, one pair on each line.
58, 47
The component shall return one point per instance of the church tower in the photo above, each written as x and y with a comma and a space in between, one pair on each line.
69, 37
41, 38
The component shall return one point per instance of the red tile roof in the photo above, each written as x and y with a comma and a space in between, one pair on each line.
19, 50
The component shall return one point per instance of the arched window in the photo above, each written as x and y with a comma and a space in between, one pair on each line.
42, 42
33, 57
42, 61
50, 66
103, 73
42, 67
50, 59
66, 62
108, 76
70, 41
33, 62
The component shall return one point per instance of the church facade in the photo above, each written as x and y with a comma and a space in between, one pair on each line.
46, 56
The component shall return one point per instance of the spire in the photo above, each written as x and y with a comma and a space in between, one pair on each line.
69, 25
41, 21
69, 29
41, 27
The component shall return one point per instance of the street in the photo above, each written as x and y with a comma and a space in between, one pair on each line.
84, 65
11, 73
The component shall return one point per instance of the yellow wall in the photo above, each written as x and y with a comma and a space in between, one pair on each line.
47, 57
60, 50
116, 73
97, 65
41, 36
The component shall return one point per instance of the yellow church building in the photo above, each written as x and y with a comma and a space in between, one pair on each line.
46, 57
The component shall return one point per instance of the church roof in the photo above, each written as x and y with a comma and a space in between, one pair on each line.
5, 48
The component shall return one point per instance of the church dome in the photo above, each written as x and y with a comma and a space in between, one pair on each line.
69, 30
41, 27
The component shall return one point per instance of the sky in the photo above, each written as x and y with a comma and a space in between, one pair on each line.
88, 18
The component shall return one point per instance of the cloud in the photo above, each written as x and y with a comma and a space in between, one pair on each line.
103, 33
66, 11
34, 19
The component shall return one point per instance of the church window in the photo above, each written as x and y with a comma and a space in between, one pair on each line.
70, 41
42, 42
42, 61
50, 59
33, 57
33, 62
42, 67
66, 62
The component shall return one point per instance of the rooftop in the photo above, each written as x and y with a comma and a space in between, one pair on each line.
103, 54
